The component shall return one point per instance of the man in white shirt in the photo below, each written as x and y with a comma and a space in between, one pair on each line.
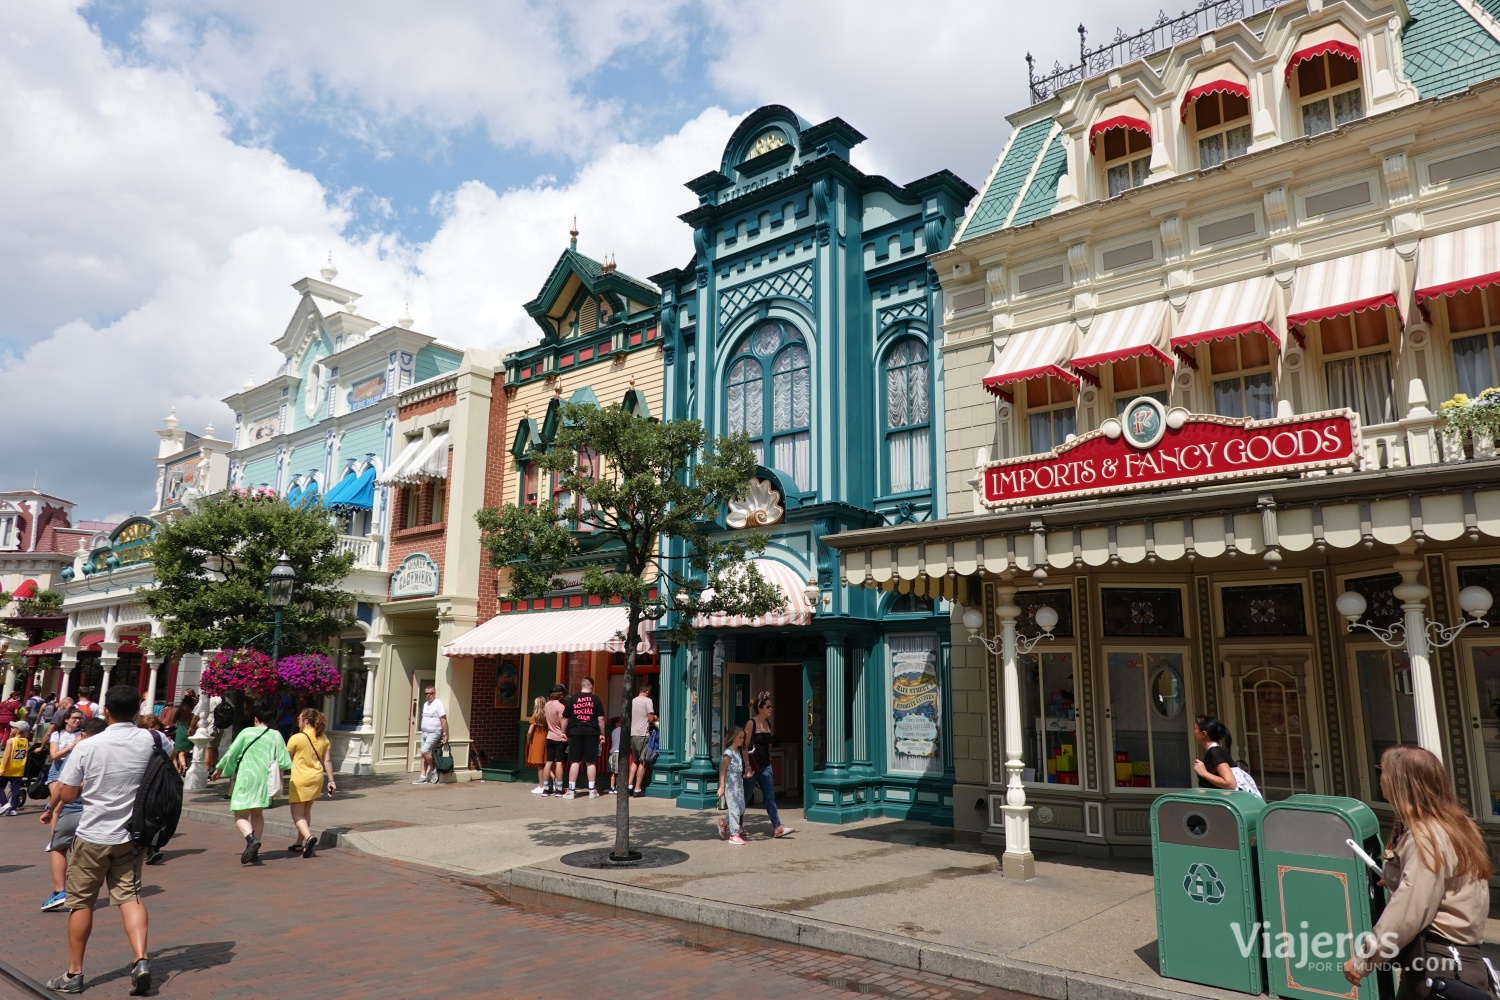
106, 770
642, 718
434, 731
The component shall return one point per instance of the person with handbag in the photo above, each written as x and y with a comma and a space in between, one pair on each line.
1437, 871
312, 772
255, 760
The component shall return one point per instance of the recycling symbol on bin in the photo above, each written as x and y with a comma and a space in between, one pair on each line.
1202, 884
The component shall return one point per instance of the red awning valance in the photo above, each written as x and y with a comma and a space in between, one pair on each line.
1215, 87
1040, 353
1332, 45
1119, 121
46, 647
27, 589
1345, 285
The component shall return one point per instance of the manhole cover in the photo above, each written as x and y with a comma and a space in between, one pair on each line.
646, 857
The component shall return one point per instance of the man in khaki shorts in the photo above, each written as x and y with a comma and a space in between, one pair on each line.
106, 770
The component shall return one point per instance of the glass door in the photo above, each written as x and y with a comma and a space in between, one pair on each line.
1273, 738
815, 723
421, 681
1483, 668
1383, 678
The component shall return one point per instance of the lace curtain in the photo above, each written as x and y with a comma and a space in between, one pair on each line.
746, 398
1364, 385
907, 403
791, 389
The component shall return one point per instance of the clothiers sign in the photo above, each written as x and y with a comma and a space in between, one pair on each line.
1150, 446
417, 576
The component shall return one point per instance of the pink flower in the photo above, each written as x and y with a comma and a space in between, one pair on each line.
246, 670
309, 673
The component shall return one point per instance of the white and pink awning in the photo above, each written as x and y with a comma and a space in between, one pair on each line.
576, 630
1460, 261
1126, 333
1040, 353
1226, 311
1345, 285
796, 610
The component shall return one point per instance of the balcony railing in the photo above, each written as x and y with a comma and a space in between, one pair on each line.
366, 551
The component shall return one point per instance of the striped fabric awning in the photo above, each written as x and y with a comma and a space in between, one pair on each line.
1127, 333
576, 630
796, 611
418, 461
1345, 285
1460, 261
1038, 353
1226, 311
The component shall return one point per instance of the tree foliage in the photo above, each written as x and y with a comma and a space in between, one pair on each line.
212, 565
657, 482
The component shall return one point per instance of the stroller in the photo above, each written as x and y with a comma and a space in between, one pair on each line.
34, 777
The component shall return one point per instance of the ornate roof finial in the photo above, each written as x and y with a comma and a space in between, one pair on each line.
171, 420
329, 272
249, 382
573, 235
208, 431
404, 321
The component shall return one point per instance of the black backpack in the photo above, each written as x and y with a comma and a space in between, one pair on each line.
158, 802
223, 716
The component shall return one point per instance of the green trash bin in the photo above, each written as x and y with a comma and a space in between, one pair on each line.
1319, 895
1203, 856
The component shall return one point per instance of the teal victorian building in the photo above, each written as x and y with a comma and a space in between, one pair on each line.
805, 320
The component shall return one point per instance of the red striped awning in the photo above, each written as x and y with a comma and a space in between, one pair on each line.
1127, 333
1226, 311
1215, 87
1345, 285
1331, 45
575, 630
1130, 122
1460, 261
1040, 353
796, 611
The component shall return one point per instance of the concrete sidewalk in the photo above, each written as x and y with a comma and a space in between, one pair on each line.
905, 893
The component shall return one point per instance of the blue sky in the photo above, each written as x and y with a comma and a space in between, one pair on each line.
174, 165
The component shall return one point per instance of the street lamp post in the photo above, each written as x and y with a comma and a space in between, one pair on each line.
1417, 634
1019, 862
279, 595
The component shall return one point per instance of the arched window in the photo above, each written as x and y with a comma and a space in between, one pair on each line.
773, 352
908, 416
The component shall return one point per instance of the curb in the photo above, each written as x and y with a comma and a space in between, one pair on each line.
903, 952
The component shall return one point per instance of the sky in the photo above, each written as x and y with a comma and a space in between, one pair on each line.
170, 167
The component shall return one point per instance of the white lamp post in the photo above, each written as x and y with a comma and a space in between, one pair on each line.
1416, 634
1019, 862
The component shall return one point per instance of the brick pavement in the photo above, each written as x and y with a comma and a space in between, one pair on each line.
346, 924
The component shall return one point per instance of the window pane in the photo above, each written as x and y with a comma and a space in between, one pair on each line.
1050, 718
899, 458
1465, 312
1260, 398
1119, 179
793, 453
1041, 432
921, 458
1227, 402
736, 397
781, 401
755, 406
1169, 718
1336, 335
1223, 356
767, 339
1127, 703
1370, 328
1138, 171
895, 395
802, 393
1471, 360
1487, 683
1210, 151
1379, 389
1390, 716
917, 382
1317, 118
1343, 384
1063, 422
1238, 140
1347, 107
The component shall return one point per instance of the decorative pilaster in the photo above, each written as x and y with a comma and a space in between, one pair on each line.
833, 659
859, 656
700, 778
1018, 861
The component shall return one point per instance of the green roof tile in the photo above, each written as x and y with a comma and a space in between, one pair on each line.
994, 208
1041, 196
1445, 50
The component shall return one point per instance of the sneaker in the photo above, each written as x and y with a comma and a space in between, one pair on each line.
614, 791
54, 901
593, 793
66, 983
154, 856
783, 831
12, 812
436, 779
570, 794
538, 790
723, 828
421, 781
737, 840
140, 978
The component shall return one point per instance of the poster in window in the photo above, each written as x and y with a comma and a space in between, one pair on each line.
916, 713
507, 685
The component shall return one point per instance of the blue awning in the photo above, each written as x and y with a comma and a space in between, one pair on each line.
293, 495
310, 497
353, 492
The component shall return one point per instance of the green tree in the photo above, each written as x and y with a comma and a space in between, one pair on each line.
661, 487
212, 565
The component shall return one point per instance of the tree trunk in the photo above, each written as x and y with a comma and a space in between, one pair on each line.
622, 796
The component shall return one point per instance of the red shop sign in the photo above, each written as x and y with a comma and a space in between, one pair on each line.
1150, 446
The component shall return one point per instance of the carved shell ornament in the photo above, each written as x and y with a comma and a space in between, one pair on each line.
760, 508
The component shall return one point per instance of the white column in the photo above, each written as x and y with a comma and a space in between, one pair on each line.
1018, 861
68, 662
365, 764
109, 655
1413, 596
196, 778
150, 700
10, 681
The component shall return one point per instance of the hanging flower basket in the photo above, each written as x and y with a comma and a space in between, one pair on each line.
245, 671
309, 673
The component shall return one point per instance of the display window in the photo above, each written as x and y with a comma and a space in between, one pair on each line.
1388, 711
1049, 717
1150, 725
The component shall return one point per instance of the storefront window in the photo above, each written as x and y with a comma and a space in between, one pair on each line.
916, 709
1486, 661
1383, 677
1049, 717
1149, 719
350, 707
1270, 610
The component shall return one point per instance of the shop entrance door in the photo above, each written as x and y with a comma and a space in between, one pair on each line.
815, 722
541, 674
1277, 735
421, 681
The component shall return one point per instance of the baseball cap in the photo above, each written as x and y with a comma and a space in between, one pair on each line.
23, 726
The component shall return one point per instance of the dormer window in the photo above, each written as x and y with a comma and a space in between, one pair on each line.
1124, 143
1328, 89
1221, 121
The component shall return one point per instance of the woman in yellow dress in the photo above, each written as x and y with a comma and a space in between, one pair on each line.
312, 771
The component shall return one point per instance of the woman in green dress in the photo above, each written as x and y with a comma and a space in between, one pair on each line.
249, 760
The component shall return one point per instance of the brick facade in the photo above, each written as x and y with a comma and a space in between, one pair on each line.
494, 731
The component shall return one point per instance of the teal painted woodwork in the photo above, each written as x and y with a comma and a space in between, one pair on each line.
307, 457
367, 439
1041, 194
260, 472
433, 361
993, 210
1445, 50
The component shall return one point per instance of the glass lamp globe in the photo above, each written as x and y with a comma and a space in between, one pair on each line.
812, 592
1475, 601
1351, 605
1046, 618
973, 620
279, 587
